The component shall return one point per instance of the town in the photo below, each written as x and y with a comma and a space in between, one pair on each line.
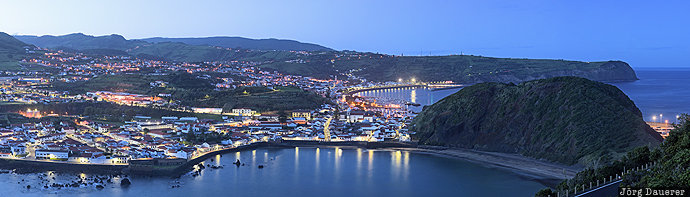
73, 138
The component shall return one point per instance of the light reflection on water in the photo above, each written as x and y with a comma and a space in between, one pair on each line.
342, 172
423, 96
659, 91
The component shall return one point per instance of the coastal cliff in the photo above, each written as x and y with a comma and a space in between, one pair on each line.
468, 69
568, 120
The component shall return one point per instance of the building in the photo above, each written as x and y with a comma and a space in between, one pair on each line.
302, 114
52, 154
242, 112
207, 110
161, 133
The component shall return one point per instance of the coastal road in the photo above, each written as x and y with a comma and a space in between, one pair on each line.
610, 189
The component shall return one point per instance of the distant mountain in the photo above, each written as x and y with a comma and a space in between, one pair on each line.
79, 41
245, 43
564, 119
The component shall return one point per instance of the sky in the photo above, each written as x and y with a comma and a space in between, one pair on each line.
642, 33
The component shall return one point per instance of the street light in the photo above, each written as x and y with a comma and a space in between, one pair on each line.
399, 80
654, 117
661, 117
413, 80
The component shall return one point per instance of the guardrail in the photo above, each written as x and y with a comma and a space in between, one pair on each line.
600, 184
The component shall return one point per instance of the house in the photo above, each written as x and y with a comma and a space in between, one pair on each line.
161, 133
106, 128
188, 119
68, 129
356, 116
52, 154
18, 149
301, 114
299, 120
242, 112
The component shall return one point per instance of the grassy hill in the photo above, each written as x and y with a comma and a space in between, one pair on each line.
176, 51
11, 50
458, 68
672, 169
79, 41
567, 120
245, 43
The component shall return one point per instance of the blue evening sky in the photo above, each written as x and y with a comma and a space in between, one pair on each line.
642, 33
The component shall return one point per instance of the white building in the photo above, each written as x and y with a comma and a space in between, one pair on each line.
52, 154
242, 112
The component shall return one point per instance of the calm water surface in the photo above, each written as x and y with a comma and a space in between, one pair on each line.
308, 171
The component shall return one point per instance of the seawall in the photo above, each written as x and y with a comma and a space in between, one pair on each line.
26, 166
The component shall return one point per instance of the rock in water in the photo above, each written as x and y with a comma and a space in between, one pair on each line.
125, 182
261, 166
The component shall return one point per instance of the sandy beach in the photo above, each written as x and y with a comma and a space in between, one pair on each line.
547, 173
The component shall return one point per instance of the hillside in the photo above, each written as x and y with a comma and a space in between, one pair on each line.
190, 90
79, 41
10, 51
459, 68
9, 44
276, 55
245, 43
672, 169
567, 120
176, 51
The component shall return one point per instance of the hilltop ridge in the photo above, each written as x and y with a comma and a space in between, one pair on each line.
569, 120
296, 58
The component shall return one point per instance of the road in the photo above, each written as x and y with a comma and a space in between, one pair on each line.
610, 189
326, 131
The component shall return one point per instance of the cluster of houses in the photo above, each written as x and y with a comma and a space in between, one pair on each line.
166, 137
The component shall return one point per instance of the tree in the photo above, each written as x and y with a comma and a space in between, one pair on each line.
546, 192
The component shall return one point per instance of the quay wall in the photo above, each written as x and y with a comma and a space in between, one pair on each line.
28, 166
359, 144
